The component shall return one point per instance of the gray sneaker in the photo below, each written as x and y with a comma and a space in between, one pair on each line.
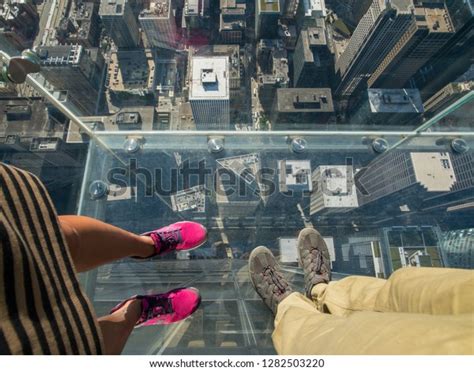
314, 259
266, 278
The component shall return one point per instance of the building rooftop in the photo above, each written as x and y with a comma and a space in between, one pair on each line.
60, 54
314, 6
434, 170
192, 199
435, 19
131, 70
209, 78
395, 100
157, 9
294, 175
304, 100
193, 7
311, 38
232, 19
27, 118
269, 6
112, 7
166, 75
78, 24
337, 186
402, 6
316, 36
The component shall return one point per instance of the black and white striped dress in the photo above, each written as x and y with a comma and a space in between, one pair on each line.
43, 310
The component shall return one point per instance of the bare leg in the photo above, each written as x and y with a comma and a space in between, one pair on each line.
116, 327
93, 243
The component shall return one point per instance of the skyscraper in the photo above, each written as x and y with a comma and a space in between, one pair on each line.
399, 174
209, 92
457, 54
378, 32
245, 178
392, 41
159, 24
232, 21
272, 72
120, 22
447, 96
312, 61
350, 11
431, 29
310, 13
76, 70
294, 176
301, 108
80, 26
334, 190
267, 13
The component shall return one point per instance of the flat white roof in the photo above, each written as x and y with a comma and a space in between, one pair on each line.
209, 78
337, 186
311, 6
434, 170
295, 173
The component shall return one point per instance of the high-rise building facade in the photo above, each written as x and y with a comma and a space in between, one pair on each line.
392, 42
120, 22
80, 26
447, 96
159, 24
209, 92
350, 11
379, 30
232, 21
272, 72
431, 29
457, 54
267, 13
398, 173
76, 70
195, 22
377, 33
312, 60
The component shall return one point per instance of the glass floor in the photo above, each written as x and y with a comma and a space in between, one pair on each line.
256, 192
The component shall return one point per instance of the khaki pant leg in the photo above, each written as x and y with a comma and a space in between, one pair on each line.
409, 290
428, 290
354, 293
301, 329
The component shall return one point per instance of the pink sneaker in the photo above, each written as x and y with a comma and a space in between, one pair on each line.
163, 309
178, 236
